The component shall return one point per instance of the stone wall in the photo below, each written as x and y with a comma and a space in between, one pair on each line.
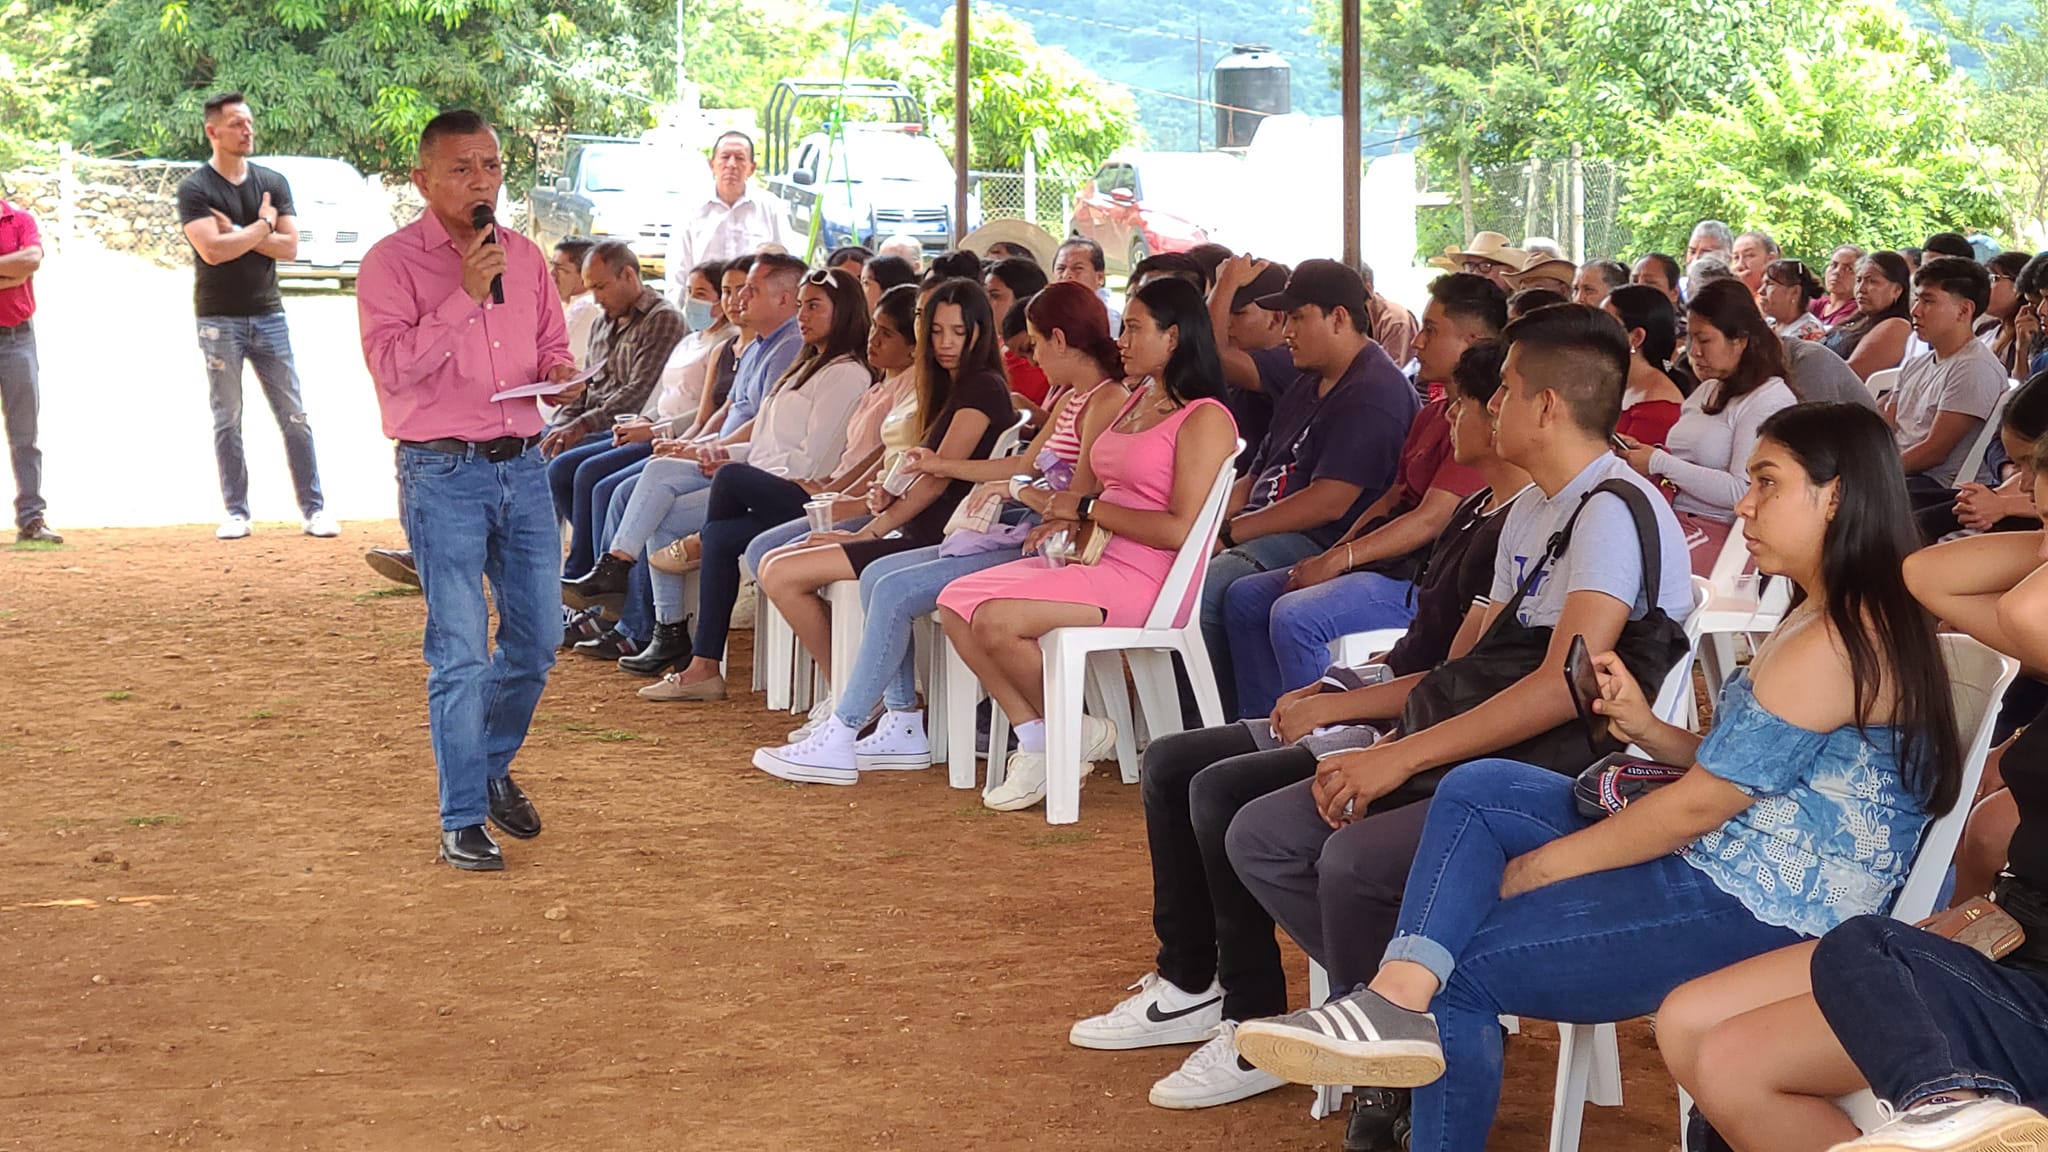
123, 208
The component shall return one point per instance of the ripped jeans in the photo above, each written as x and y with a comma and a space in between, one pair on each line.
265, 342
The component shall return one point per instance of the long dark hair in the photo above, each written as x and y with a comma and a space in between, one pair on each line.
2026, 411
848, 336
1881, 626
1194, 371
983, 353
1641, 306
1081, 317
1728, 306
1849, 333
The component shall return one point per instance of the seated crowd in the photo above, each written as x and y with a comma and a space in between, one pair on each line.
1537, 470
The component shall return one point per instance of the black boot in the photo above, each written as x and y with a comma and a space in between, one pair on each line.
603, 586
669, 648
1379, 1120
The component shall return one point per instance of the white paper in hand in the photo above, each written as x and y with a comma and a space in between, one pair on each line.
548, 387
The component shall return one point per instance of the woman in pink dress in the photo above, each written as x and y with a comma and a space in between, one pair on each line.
1143, 477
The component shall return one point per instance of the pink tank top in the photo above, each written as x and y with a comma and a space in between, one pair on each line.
1136, 468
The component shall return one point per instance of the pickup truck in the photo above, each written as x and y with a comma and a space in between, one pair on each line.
878, 181
615, 188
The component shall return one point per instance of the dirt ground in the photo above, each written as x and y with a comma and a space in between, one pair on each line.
221, 924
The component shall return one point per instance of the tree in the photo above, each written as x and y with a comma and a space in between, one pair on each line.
1864, 137
2011, 111
41, 49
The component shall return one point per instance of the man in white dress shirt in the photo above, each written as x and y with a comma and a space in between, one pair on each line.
735, 220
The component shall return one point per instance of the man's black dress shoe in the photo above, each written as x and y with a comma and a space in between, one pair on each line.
36, 531
602, 586
512, 812
393, 564
1379, 1120
471, 849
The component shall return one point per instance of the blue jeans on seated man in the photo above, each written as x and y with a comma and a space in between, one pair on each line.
1920, 1015
1280, 640
470, 521
594, 462
1596, 948
1281, 552
265, 343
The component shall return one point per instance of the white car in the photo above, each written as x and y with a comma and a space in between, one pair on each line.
339, 215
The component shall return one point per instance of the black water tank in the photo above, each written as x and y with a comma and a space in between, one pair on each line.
1250, 84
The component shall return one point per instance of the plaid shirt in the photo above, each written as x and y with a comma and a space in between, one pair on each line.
633, 348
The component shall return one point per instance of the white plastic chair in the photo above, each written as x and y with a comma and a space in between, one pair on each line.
1149, 649
1978, 678
1361, 648
1973, 461
1742, 605
1882, 382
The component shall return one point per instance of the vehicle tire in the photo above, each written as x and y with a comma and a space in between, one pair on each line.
1139, 251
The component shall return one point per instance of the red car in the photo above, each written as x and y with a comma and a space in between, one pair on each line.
1145, 202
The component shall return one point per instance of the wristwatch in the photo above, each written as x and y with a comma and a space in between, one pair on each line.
1086, 508
1223, 534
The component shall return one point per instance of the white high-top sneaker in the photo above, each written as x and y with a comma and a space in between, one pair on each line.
897, 744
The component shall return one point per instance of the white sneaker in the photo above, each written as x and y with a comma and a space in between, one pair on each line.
819, 711
322, 525
823, 757
232, 528
1976, 1125
1160, 1013
1214, 1074
1098, 741
897, 744
1023, 784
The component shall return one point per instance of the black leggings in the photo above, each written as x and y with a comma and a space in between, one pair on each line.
744, 503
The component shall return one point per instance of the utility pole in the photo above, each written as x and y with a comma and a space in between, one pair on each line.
960, 114
1201, 106
1354, 174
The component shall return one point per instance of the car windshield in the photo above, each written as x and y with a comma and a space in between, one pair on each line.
315, 180
633, 168
890, 156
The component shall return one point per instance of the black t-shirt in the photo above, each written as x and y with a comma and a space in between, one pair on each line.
989, 394
1459, 568
246, 285
2025, 768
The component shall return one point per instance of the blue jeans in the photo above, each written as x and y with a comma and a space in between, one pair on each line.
1264, 554
470, 520
662, 484
894, 592
265, 342
1280, 640
1596, 948
573, 477
608, 507
19, 400
636, 619
1921, 1015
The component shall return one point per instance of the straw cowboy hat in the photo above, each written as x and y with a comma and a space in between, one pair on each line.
1023, 234
1546, 273
1489, 246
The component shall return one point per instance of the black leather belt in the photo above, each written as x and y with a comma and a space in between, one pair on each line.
496, 451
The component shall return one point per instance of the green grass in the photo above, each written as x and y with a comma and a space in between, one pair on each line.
395, 592
263, 714
34, 546
155, 821
9, 613
589, 731
1060, 836
115, 695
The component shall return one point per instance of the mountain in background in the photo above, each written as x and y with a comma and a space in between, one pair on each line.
1159, 57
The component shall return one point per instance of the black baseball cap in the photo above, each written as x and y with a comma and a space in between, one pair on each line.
1270, 280
1327, 284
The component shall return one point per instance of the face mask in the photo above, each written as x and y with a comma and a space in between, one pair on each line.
697, 313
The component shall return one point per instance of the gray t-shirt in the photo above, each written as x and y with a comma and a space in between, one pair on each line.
1603, 555
1968, 382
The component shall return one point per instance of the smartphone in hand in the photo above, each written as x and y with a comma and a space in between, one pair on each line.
1585, 687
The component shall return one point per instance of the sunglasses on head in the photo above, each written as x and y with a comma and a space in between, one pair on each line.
822, 278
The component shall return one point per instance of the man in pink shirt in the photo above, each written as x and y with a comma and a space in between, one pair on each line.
21, 253
472, 487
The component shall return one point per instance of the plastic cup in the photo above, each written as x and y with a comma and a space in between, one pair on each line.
898, 481
818, 511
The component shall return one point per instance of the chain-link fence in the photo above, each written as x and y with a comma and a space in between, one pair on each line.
1041, 199
1536, 199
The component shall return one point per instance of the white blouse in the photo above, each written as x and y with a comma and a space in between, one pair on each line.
800, 433
682, 379
1707, 456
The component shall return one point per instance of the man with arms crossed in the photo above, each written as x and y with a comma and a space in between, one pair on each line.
239, 220
472, 485
21, 253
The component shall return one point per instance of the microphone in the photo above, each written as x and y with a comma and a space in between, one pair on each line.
481, 218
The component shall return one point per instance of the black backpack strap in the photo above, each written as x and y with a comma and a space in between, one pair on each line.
1648, 544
